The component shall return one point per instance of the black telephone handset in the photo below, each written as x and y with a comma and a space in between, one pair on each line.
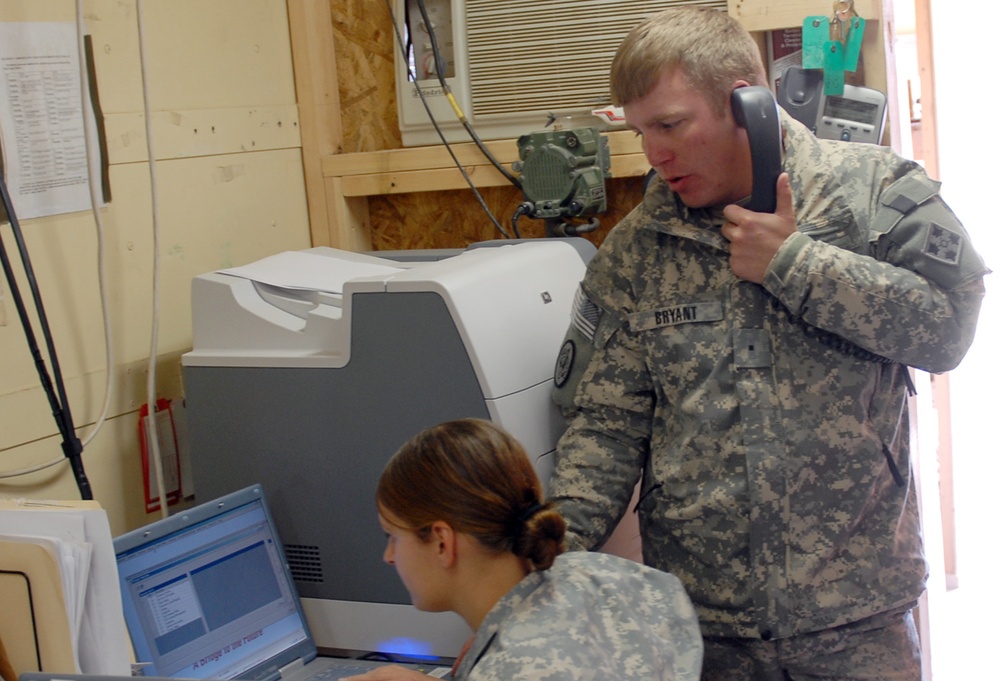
754, 108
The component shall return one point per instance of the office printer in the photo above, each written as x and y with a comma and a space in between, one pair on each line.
310, 368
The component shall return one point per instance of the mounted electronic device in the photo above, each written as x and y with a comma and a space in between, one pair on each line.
562, 174
856, 115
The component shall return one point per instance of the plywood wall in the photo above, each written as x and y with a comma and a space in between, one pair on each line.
364, 43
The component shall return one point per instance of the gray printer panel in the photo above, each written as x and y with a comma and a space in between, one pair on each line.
318, 438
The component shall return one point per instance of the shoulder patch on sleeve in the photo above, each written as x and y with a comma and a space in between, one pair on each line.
910, 191
564, 363
942, 244
586, 314
901, 197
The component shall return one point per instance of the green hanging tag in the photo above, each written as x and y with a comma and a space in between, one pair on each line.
855, 33
815, 34
833, 68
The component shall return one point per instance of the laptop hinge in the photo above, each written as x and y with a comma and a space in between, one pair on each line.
290, 667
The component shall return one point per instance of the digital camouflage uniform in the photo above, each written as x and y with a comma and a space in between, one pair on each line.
589, 616
768, 422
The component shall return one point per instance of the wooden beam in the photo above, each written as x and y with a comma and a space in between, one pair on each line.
440, 179
437, 157
755, 15
928, 95
349, 217
310, 24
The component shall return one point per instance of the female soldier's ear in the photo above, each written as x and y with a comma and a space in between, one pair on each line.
444, 538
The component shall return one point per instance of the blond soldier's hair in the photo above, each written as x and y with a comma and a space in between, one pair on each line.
710, 47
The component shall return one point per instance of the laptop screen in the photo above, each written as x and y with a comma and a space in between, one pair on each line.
207, 593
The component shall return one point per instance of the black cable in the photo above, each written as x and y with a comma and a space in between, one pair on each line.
437, 128
53, 385
440, 67
525, 208
439, 64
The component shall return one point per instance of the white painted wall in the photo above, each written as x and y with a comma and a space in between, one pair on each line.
231, 191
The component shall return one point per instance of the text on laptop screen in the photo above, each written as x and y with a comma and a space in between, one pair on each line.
210, 599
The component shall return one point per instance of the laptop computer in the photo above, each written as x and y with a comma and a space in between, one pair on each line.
207, 593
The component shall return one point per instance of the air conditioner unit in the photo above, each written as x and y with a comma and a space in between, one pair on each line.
511, 64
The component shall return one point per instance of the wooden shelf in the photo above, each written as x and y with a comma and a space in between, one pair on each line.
756, 15
424, 169
352, 178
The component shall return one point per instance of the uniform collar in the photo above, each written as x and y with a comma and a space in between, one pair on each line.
666, 213
490, 627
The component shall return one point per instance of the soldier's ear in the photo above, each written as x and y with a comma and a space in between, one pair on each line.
445, 541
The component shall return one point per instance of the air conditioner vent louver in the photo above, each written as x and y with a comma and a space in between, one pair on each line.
512, 64
531, 56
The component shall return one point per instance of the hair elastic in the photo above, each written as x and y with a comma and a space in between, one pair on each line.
527, 513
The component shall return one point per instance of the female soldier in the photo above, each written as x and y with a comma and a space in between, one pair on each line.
469, 532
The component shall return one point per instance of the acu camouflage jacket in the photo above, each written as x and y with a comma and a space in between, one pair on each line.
589, 617
768, 422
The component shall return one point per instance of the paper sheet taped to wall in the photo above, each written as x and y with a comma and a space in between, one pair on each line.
45, 160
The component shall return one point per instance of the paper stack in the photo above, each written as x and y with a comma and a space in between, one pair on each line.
59, 589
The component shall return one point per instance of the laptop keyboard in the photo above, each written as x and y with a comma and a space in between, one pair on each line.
347, 667
342, 669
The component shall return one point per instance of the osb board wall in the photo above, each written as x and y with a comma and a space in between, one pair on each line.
453, 219
364, 43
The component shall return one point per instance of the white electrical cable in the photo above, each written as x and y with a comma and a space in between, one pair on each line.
95, 204
96, 199
152, 430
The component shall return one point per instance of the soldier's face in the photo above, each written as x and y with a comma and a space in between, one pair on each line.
416, 563
704, 157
